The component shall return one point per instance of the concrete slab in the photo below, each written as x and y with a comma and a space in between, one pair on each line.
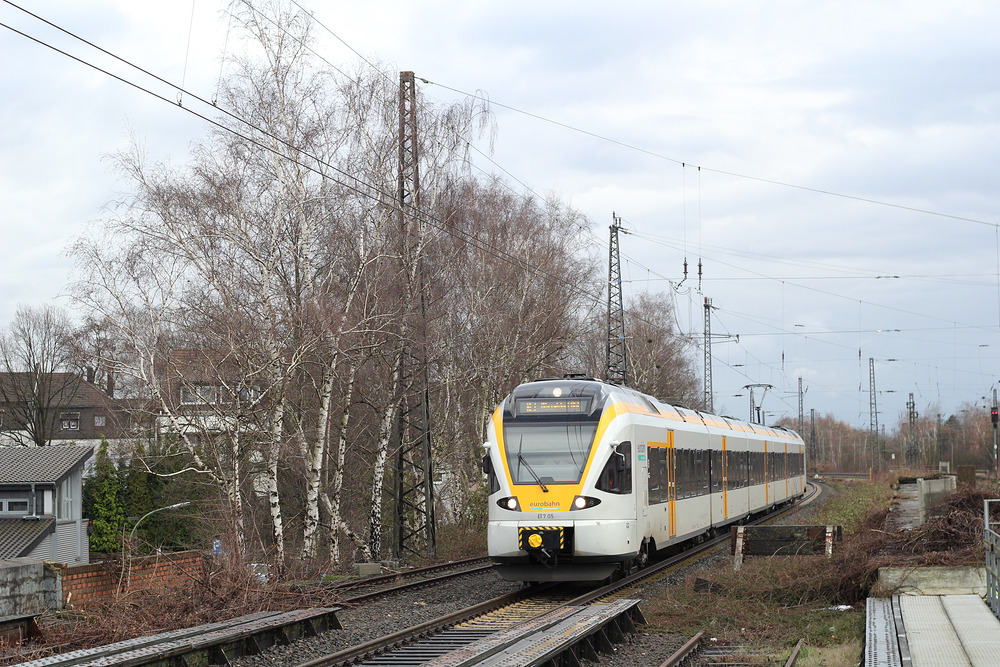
932, 580
932, 638
905, 512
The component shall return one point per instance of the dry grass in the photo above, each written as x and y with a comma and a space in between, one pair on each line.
771, 601
775, 601
226, 591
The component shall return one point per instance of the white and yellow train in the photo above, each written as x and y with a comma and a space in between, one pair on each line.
588, 479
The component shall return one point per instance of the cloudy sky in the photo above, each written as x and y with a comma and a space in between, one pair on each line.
833, 166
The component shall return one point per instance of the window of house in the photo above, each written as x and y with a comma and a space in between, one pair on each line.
100, 420
64, 502
18, 506
69, 421
199, 394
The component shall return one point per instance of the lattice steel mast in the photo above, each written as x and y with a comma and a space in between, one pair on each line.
874, 415
413, 484
708, 351
617, 358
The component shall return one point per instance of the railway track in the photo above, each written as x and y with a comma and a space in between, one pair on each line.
452, 568
701, 652
420, 577
500, 631
520, 628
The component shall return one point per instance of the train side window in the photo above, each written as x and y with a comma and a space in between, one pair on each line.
653, 481
616, 477
491, 475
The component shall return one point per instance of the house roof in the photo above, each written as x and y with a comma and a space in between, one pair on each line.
73, 390
24, 465
19, 536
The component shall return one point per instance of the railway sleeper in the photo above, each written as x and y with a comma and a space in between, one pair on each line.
560, 638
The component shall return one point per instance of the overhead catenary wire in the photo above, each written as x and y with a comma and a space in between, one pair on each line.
597, 296
352, 183
683, 164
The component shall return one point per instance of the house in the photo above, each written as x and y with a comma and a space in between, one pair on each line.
41, 503
59, 409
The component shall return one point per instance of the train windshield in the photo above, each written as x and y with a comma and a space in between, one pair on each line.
548, 453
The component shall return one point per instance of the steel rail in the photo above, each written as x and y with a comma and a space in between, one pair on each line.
393, 576
413, 584
689, 554
408, 635
684, 652
381, 644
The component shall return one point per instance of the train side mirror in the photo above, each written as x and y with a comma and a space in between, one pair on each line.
623, 450
487, 464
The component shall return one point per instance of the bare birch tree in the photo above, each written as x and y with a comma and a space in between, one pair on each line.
36, 353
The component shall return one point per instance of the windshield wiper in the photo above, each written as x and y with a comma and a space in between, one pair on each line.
533, 473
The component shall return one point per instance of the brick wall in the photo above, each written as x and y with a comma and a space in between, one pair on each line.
83, 584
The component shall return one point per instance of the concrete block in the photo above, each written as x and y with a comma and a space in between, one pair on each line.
26, 587
932, 492
367, 569
932, 580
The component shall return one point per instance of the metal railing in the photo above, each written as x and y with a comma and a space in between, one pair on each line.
992, 538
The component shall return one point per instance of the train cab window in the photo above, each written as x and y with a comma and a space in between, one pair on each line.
616, 477
548, 452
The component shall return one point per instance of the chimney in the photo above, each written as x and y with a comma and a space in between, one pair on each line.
111, 384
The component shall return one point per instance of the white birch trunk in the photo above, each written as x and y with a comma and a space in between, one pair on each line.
333, 496
382, 455
274, 498
315, 456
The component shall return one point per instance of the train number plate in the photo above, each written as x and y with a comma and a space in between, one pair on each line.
546, 516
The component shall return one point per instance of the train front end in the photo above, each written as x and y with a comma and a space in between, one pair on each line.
561, 502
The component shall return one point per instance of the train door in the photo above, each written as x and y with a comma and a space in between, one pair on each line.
643, 463
786, 470
671, 484
767, 479
725, 480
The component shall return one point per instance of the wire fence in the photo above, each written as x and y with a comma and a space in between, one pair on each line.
992, 538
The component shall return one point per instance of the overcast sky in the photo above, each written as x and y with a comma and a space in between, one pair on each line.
832, 165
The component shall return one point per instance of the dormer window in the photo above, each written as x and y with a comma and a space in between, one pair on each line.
69, 421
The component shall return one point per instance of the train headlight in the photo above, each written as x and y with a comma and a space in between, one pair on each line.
509, 504
583, 502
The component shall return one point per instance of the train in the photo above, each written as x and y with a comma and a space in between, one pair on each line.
588, 480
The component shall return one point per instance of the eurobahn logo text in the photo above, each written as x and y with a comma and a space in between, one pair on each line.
545, 505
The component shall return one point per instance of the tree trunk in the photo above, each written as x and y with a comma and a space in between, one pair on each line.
381, 457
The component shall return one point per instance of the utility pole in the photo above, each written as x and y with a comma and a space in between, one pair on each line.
812, 436
912, 446
993, 419
413, 484
801, 418
708, 351
616, 371
874, 415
